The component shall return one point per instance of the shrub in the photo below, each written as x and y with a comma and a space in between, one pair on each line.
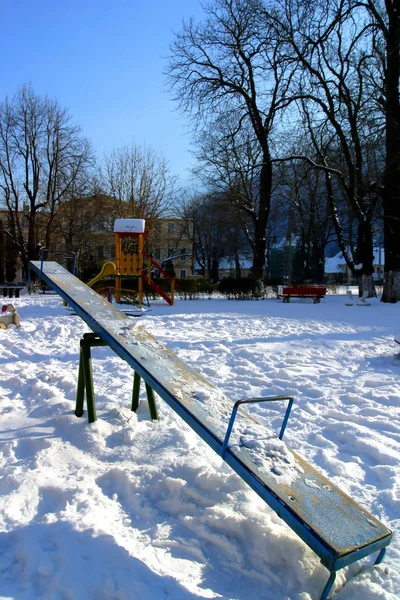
239, 289
189, 288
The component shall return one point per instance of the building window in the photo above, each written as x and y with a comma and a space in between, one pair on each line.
183, 254
171, 227
182, 274
171, 252
183, 228
157, 253
112, 251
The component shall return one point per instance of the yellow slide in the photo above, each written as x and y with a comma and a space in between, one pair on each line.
108, 268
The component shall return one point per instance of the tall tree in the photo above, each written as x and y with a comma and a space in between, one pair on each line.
228, 68
217, 233
337, 101
139, 183
41, 154
302, 193
384, 24
229, 166
2, 251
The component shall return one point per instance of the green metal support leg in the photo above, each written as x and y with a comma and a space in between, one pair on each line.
85, 382
152, 402
80, 392
88, 375
150, 397
136, 392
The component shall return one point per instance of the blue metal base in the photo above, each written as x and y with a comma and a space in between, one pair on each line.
329, 585
331, 580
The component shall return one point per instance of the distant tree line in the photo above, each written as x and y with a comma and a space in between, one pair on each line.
47, 167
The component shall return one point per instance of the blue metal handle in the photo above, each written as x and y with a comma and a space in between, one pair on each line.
254, 401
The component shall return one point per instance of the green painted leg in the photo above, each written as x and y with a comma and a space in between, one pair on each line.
87, 367
136, 392
80, 392
152, 402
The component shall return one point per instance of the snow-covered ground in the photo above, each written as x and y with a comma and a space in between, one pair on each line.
127, 508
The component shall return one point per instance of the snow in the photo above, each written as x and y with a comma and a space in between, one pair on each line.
127, 508
129, 226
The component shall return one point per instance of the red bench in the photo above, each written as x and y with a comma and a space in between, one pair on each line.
304, 291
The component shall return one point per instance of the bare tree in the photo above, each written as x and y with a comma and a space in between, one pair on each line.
229, 67
41, 154
303, 195
229, 167
139, 183
339, 108
384, 26
217, 233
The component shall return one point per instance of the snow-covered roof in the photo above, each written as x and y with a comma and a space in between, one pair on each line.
335, 263
129, 226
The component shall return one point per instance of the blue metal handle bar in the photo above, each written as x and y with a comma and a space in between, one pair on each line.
254, 401
68, 254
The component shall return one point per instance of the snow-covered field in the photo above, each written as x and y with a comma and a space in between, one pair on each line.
127, 508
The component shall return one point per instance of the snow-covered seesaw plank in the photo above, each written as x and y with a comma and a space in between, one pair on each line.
338, 530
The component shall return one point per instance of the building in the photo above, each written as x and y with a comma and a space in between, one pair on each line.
336, 266
172, 243
85, 227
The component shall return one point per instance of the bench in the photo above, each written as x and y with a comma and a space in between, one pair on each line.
11, 290
331, 523
303, 291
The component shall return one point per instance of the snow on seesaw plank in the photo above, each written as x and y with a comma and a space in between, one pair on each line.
128, 508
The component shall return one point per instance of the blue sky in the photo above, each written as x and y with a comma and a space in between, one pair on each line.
104, 61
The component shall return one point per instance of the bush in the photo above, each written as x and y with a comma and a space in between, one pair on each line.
239, 289
274, 283
189, 289
186, 288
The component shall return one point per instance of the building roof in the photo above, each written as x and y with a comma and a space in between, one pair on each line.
336, 263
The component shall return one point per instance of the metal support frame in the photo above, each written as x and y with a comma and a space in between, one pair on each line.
256, 401
329, 585
85, 382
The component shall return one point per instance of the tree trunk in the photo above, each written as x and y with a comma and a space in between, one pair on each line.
317, 262
365, 257
366, 284
391, 287
391, 183
261, 220
238, 270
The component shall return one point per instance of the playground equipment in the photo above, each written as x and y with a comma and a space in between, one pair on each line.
333, 525
133, 267
8, 316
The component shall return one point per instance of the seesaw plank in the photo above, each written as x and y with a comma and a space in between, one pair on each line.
328, 520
